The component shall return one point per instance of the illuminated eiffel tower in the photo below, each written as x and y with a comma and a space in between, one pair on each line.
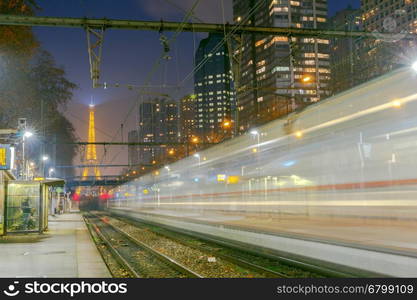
91, 153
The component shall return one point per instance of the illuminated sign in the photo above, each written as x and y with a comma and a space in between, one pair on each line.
233, 179
5, 155
221, 177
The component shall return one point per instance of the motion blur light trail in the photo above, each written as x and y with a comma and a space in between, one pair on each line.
342, 171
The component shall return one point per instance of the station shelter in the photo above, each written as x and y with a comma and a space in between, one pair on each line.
26, 205
5, 177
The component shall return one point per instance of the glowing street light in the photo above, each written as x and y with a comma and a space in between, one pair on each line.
45, 158
51, 170
414, 66
27, 134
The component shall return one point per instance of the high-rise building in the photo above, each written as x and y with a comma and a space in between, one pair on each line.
280, 73
188, 117
213, 88
158, 123
344, 58
398, 17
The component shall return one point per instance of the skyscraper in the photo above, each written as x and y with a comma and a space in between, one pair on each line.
381, 55
344, 58
280, 73
213, 88
158, 123
188, 117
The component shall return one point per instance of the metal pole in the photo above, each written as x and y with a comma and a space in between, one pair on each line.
23, 159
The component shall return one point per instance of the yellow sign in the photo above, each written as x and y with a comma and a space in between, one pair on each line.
233, 179
221, 177
3, 157
38, 178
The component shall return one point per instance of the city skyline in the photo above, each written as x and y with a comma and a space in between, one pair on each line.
121, 59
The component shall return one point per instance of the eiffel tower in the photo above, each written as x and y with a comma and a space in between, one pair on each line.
91, 153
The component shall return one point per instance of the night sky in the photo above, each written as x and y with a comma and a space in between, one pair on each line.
128, 56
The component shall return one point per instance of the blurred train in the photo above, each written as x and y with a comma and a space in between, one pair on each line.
342, 171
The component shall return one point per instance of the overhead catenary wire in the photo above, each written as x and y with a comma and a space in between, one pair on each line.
157, 63
221, 43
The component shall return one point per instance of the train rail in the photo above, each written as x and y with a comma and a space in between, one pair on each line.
206, 248
137, 258
293, 265
259, 263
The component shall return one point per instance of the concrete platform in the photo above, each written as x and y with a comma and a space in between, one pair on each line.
65, 251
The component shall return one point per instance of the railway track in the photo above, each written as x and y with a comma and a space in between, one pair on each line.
257, 266
134, 256
203, 247
283, 266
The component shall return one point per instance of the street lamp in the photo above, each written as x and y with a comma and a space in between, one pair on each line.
51, 170
414, 66
26, 134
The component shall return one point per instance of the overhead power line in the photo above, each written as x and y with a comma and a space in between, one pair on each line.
18, 20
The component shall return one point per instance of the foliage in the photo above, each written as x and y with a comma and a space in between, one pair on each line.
32, 86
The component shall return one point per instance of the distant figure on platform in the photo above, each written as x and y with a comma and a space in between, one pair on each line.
26, 210
61, 207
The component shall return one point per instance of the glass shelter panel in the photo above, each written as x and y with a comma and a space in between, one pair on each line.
23, 207
2, 200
